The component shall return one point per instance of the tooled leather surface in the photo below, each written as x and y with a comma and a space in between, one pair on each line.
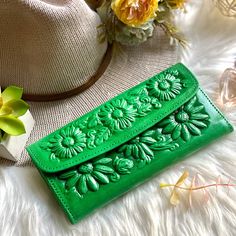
188, 121
85, 187
188, 127
126, 115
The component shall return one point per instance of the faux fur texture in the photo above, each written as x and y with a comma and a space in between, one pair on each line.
28, 208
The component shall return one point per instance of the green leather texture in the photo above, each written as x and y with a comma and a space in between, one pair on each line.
127, 140
116, 121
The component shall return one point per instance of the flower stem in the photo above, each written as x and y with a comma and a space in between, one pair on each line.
200, 187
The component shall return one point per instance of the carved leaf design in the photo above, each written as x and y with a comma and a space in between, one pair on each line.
187, 121
93, 121
177, 131
92, 183
68, 174
199, 123
52, 157
199, 116
104, 169
82, 185
193, 129
81, 124
103, 161
148, 140
148, 133
114, 177
102, 135
138, 96
123, 165
138, 150
143, 109
97, 137
70, 183
185, 133
164, 143
91, 139
156, 103
101, 177
189, 105
146, 149
45, 146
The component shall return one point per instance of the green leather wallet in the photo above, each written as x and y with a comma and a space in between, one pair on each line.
127, 140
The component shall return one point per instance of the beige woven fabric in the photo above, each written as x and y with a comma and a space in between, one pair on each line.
129, 66
39, 44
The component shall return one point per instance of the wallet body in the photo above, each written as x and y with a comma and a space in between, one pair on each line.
127, 140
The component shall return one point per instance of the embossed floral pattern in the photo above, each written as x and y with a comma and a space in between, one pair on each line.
91, 131
189, 120
91, 175
118, 114
67, 143
123, 165
145, 145
143, 102
165, 87
88, 176
139, 147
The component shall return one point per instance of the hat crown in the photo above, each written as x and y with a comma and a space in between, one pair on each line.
48, 46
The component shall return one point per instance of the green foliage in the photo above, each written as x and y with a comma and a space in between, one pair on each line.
12, 107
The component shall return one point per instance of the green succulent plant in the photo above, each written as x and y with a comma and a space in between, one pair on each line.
12, 107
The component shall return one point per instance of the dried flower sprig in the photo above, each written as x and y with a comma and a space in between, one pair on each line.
175, 197
165, 18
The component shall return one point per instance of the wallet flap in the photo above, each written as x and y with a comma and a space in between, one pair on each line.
116, 121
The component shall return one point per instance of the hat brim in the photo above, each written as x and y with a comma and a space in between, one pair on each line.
128, 67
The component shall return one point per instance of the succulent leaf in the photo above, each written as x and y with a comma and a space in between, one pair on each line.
11, 125
4, 111
11, 93
18, 107
11, 107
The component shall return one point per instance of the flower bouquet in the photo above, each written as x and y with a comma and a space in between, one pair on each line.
16, 123
131, 22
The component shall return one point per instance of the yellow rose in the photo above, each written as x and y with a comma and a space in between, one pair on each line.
176, 3
134, 12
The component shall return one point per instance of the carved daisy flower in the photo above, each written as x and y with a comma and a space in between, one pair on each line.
88, 176
118, 114
187, 121
164, 87
67, 143
139, 147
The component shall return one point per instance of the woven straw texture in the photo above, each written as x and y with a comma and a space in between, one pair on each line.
48, 46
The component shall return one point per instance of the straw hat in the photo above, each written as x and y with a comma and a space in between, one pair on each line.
50, 48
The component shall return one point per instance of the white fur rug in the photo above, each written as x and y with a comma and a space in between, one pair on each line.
28, 208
